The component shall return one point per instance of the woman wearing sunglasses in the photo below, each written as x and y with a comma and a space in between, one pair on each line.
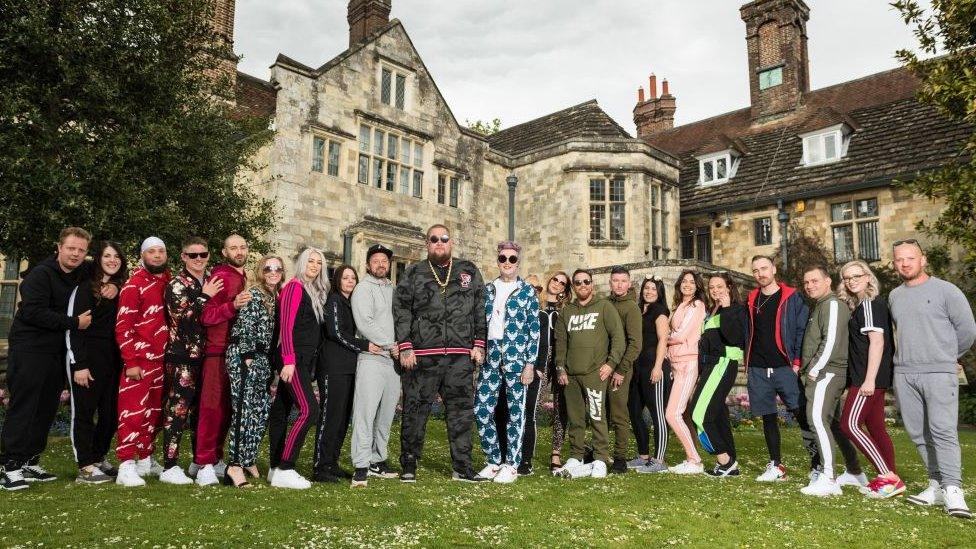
512, 314
554, 296
249, 368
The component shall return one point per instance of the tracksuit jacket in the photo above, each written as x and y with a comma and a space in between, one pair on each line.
184, 306
826, 340
630, 316
42, 318
791, 321
520, 342
140, 328
588, 337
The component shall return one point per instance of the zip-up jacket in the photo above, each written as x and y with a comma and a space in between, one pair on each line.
300, 331
520, 340
724, 335
791, 321
589, 336
545, 362
630, 316
140, 328
431, 322
342, 346
219, 312
825, 341
102, 327
42, 315
686, 325
253, 332
185, 301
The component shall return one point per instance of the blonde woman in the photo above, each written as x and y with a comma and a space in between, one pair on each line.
249, 368
869, 366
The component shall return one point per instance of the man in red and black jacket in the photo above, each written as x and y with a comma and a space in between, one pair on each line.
219, 314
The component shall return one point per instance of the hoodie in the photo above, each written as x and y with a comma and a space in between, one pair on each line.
589, 336
630, 316
42, 316
140, 327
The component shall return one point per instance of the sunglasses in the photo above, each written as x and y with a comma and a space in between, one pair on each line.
273, 269
655, 278
194, 255
906, 241
434, 239
559, 281
513, 259
583, 282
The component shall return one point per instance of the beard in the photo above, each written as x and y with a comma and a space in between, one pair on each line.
234, 262
380, 272
438, 259
155, 269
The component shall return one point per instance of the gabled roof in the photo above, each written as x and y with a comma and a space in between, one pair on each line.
255, 97
895, 136
586, 120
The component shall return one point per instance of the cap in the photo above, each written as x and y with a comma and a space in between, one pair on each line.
378, 249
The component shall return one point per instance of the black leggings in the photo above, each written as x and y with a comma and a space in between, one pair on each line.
91, 439
284, 449
654, 397
335, 411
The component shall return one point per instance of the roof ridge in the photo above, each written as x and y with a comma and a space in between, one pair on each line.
543, 117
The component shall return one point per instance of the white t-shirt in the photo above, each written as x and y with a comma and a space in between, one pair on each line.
496, 328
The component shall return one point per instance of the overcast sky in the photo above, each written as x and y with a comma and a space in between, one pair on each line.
520, 59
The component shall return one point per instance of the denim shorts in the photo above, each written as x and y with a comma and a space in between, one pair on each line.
765, 383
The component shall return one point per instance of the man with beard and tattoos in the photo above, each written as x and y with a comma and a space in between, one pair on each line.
440, 329
214, 394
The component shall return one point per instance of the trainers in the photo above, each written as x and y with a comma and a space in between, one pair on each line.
271, 473
147, 466
930, 496
653, 466
193, 469
361, 476
285, 478
380, 470
467, 476
687, 468
564, 470
506, 474
883, 488
822, 486
599, 469
637, 462
409, 473
129, 475
850, 479
13, 480
92, 475
525, 469
955, 503
175, 475
489, 471
575, 468
619, 466
207, 476
36, 473
220, 468
814, 474
107, 468
730, 469
773, 473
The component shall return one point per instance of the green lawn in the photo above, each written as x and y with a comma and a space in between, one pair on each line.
536, 511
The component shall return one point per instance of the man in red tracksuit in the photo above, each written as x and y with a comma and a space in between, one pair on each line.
142, 333
213, 418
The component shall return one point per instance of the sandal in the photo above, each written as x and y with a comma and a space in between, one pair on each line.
555, 462
229, 481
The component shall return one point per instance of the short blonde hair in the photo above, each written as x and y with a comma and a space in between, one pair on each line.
873, 289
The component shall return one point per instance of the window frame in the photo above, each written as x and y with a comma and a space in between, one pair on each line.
859, 227
395, 86
757, 231
731, 167
817, 142
604, 205
383, 161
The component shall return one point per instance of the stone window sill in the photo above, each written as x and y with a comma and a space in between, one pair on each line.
608, 243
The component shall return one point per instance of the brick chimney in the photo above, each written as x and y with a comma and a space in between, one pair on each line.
365, 16
779, 67
655, 114
223, 22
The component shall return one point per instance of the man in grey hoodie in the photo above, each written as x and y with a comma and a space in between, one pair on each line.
377, 381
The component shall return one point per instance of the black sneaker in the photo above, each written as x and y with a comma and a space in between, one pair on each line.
36, 473
12, 480
468, 476
619, 466
325, 476
409, 473
340, 472
525, 469
730, 469
381, 470
360, 477
108, 469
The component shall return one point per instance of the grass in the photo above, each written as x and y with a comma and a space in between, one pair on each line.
536, 511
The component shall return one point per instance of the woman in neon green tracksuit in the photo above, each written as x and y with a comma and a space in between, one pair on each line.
724, 335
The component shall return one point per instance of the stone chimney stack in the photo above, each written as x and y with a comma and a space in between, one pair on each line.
365, 16
779, 67
655, 114
223, 22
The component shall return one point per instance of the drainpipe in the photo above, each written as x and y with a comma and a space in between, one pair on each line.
784, 218
347, 248
512, 181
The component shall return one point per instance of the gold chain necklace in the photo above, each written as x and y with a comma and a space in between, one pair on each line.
447, 279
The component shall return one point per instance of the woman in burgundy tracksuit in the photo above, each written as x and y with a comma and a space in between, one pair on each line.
302, 312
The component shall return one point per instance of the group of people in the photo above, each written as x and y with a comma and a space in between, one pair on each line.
226, 357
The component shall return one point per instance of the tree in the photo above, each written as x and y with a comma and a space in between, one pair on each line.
115, 116
805, 249
948, 83
485, 128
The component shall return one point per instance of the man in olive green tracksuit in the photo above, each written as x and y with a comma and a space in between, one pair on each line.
624, 300
590, 344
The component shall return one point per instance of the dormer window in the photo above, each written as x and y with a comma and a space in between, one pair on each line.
825, 146
717, 167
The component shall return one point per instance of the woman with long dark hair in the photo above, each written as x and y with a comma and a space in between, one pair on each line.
95, 367
651, 385
686, 324
554, 296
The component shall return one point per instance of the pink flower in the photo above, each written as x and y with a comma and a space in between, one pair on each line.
65, 396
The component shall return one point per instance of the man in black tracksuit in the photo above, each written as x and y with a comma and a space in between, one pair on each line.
438, 310
36, 363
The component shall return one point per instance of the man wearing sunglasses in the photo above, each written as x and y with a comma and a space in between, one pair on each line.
186, 294
440, 326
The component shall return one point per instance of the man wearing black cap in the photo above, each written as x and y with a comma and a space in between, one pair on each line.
377, 387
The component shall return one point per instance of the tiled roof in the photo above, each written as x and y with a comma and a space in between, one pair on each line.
255, 97
894, 136
586, 120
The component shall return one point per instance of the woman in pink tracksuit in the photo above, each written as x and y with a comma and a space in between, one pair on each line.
686, 325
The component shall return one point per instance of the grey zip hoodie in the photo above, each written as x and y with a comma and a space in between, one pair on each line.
372, 309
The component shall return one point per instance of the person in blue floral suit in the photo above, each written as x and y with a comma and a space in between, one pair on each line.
252, 344
512, 312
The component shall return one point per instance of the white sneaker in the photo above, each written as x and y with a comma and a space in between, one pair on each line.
193, 469
220, 469
814, 474
848, 479
147, 466
271, 474
773, 473
955, 503
564, 470
289, 478
599, 469
930, 496
823, 486
687, 468
506, 474
175, 475
129, 475
490, 471
206, 476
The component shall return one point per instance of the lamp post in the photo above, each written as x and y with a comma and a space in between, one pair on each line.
512, 181
784, 218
